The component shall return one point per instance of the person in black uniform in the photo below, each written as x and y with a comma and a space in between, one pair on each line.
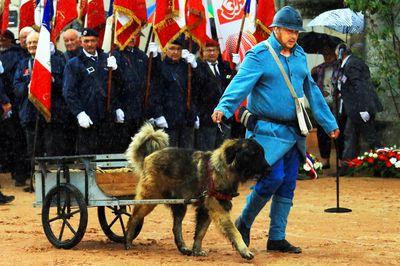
170, 105
12, 138
85, 92
213, 77
50, 137
130, 81
360, 102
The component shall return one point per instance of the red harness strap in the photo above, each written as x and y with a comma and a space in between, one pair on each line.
211, 187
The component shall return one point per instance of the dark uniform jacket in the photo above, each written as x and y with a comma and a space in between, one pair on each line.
27, 111
85, 85
169, 93
10, 59
210, 89
71, 54
130, 80
358, 92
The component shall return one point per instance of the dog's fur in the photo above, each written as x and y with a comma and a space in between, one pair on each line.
167, 173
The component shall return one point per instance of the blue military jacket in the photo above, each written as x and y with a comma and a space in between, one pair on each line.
85, 85
259, 78
26, 110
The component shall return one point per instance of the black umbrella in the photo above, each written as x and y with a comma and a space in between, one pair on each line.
314, 42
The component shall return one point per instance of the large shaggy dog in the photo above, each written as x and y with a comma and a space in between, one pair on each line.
212, 177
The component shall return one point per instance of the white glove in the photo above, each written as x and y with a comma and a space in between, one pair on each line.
161, 122
153, 48
112, 62
236, 59
120, 116
185, 53
84, 120
52, 48
1, 68
197, 123
365, 116
191, 59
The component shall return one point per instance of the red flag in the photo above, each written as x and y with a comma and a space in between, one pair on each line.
165, 26
26, 14
264, 16
4, 18
66, 13
96, 18
131, 15
196, 21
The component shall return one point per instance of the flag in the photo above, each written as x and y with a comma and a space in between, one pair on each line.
264, 15
96, 18
40, 86
26, 14
228, 15
197, 21
5, 13
130, 15
66, 13
108, 32
82, 10
38, 14
166, 26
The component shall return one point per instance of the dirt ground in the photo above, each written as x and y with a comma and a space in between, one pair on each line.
369, 235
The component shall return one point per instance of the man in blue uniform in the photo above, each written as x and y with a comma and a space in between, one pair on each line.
270, 100
170, 104
85, 91
130, 81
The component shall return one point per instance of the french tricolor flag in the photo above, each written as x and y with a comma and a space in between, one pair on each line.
40, 86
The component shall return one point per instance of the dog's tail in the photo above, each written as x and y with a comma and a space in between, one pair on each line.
145, 142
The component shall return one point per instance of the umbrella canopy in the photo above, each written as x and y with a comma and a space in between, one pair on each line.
314, 43
343, 20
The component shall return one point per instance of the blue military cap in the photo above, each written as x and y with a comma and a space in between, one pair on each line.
86, 32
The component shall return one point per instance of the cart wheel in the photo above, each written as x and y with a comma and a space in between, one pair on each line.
113, 219
64, 216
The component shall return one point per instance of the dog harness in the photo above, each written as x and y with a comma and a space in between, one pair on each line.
211, 191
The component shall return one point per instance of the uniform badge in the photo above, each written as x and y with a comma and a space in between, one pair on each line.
344, 79
26, 72
90, 70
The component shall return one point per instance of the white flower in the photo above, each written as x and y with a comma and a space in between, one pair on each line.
397, 164
370, 154
365, 153
306, 167
393, 160
362, 158
317, 165
375, 155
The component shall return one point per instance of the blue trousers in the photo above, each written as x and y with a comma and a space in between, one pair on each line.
282, 179
279, 185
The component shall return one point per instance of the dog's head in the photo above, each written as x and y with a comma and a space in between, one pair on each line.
246, 158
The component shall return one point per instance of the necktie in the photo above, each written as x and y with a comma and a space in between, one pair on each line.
216, 73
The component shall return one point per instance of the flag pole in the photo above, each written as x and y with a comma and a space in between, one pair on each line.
246, 8
190, 74
112, 47
149, 64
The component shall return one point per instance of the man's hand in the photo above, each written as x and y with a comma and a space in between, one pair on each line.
6, 107
217, 116
334, 134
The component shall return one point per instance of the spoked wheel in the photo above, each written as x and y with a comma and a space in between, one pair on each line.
64, 216
113, 220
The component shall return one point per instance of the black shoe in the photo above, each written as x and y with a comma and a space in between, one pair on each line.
5, 199
282, 246
20, 183
243, 230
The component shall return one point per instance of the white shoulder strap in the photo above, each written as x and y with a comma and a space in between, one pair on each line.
285, 76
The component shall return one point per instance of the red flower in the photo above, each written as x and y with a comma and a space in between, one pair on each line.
381, 157
388, 164
398, 156
370, 160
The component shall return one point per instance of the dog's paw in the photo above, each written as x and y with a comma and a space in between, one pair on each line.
185, 251
199, 253
128, 246
246, 254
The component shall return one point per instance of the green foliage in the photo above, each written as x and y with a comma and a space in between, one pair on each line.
383, 33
